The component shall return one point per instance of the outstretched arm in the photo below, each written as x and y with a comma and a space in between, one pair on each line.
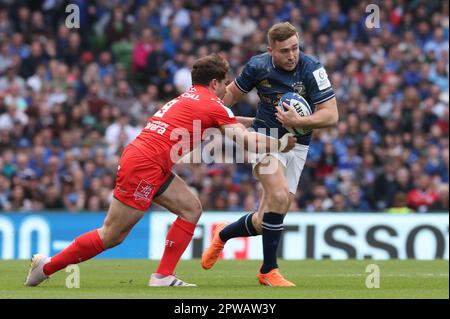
256, 142
246, 121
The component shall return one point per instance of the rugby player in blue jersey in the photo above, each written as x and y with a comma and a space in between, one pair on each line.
284, 68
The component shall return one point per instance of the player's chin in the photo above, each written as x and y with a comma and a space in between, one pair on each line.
290, 66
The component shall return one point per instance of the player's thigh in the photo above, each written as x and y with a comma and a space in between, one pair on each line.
180, 200
138, 179
271, 173
119, 221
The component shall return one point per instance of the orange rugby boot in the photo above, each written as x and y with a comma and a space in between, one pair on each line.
210, 255
274, 278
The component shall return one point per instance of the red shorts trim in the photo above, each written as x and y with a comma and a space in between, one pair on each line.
138, 179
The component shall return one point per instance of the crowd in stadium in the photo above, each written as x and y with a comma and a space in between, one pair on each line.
72, 98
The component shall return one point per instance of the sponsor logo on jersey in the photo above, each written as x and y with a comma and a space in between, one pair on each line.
321, 77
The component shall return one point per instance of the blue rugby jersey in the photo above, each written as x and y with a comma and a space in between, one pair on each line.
309, 79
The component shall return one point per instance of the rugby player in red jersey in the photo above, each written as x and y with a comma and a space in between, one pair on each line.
144, 175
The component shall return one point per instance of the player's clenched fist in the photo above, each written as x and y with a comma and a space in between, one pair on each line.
287, 142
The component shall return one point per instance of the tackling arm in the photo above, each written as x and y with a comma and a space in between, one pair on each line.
256, 142
246, 121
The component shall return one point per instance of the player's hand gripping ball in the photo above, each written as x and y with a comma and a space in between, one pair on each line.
301, 106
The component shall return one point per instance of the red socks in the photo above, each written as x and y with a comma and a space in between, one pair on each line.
177, 240
81, 249
89, 245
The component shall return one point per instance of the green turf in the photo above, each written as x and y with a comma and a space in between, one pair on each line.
236, 279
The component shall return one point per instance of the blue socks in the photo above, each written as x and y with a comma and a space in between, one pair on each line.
243, 227
272, 227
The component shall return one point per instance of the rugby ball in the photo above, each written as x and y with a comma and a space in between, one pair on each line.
301, 106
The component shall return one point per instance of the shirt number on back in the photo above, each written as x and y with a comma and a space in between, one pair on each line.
165, 108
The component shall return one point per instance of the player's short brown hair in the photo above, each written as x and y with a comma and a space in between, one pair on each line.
280, 32
209, 67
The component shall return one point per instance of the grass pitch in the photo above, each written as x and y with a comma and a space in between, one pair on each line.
125, 278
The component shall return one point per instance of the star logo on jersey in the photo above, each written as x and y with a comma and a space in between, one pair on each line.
299, 88
265, 83
143, 191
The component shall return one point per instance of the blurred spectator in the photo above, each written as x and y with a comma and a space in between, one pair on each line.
400, 204
422, 197
118, 27
155, 64
71, 99
355, 201
123, 98
52, 199
10, 78
36, 57
142, 49
387, 183
241, 26
119, 134
442, 205
182, 77
437, 44
321, 201
338, 203
181, 16
12, 116
327, 162
5, 188
17, 200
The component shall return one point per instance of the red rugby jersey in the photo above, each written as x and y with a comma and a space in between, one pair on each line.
178, 126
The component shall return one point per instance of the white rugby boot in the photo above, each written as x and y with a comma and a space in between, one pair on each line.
36, 273
158, 280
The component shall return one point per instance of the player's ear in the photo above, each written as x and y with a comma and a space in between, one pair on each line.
213, 84
269, 49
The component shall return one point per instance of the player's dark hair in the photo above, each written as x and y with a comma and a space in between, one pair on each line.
209, 67
280, 32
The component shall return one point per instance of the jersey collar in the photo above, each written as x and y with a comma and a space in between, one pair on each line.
200, 89
273, 64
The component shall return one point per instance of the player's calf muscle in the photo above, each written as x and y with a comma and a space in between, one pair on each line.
118, 223
257, 220
192, 213
111, 239
180, 200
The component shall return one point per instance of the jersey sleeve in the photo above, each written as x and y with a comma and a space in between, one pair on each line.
248, 79
220, 114
319, 86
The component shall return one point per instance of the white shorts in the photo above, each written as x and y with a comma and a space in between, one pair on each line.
293, 161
